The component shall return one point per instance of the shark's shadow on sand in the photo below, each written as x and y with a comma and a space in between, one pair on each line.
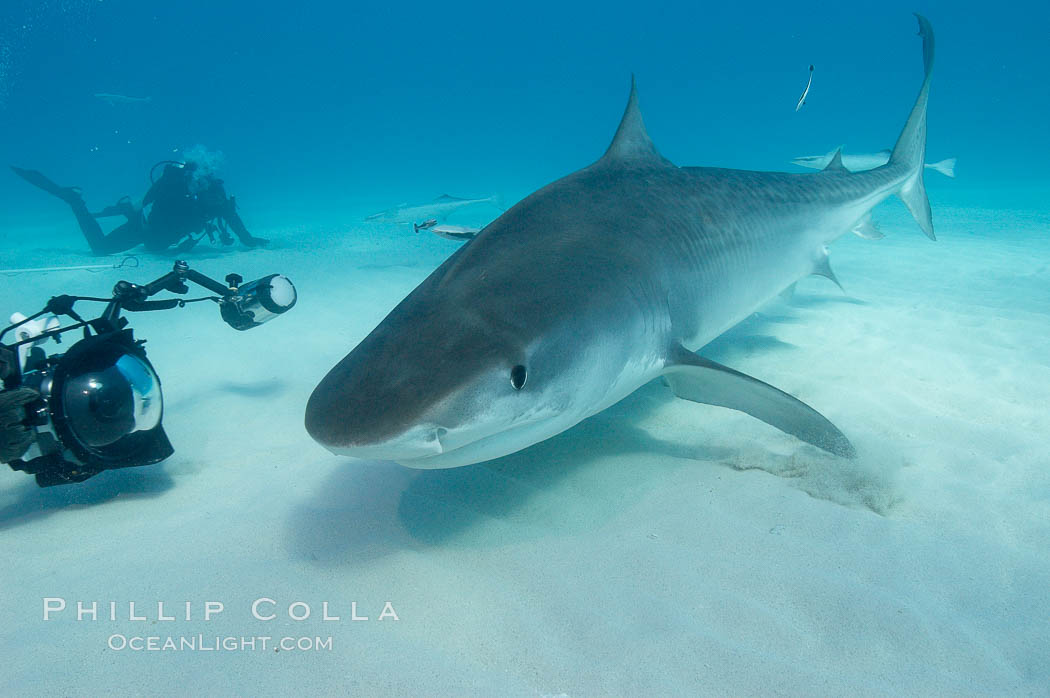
372, 509
267, 388
562, 486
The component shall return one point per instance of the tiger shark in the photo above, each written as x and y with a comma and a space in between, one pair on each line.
594, 286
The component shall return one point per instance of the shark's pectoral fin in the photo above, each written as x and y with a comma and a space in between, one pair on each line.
695, 378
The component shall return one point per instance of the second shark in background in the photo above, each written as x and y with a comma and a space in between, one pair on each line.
867, 161
438, 209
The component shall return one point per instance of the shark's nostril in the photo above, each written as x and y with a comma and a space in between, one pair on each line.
439, 436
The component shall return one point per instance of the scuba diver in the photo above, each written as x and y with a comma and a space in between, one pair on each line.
185, 202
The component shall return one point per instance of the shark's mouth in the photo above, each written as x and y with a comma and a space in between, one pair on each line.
483, 449
458, 449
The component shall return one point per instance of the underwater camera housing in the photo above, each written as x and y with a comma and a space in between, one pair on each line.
99, 405
100, 408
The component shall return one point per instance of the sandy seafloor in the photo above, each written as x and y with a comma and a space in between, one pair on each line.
661, 547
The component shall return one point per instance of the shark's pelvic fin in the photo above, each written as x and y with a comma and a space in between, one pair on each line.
695, 378
631, 145
867, 229
822, 267
835, 165
910, 150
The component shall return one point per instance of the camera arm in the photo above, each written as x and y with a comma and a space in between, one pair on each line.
133, 297
242, 306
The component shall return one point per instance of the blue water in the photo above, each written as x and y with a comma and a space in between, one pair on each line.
355, 107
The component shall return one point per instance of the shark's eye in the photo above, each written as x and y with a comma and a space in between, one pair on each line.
518, 374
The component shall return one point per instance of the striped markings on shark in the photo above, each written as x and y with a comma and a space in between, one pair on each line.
595, 285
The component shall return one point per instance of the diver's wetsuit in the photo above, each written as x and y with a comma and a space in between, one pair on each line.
181, 208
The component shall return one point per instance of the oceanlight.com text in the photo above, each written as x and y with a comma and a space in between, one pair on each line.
217, 643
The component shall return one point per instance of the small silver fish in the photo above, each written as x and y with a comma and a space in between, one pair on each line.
802, 99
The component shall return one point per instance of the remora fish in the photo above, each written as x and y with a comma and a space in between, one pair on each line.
438, 209
595, 285
449, 232
805, 93
867, 161
120, 99
454, 232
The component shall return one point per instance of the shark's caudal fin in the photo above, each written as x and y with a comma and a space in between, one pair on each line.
945, 167
910, 150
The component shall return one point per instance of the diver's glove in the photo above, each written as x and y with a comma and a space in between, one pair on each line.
15, 437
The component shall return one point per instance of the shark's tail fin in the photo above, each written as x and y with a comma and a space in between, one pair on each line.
945, 167
910, 151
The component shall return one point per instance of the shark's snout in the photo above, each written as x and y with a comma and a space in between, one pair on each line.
420, 385
342, 421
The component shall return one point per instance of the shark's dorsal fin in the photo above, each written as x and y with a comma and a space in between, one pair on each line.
631, 144
836, 163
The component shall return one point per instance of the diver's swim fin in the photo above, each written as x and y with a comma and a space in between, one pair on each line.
68, 194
